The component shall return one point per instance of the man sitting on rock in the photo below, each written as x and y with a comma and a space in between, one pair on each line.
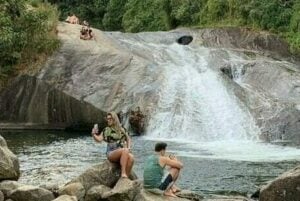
154, 170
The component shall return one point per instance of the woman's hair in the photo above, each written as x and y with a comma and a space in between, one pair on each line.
116, 125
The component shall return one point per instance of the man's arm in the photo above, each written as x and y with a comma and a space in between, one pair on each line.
173, 163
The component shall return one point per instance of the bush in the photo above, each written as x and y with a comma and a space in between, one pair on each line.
26, 32
146, 16
112, 20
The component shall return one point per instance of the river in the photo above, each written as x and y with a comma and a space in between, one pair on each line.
209, 168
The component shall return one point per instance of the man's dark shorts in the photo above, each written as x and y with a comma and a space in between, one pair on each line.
165, 184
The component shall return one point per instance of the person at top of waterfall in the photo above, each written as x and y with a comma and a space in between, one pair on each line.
118, 143
72, 19
154, 170
86, 33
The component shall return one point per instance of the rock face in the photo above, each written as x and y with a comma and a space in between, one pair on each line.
271, 92
85, 79
9, 168
285, 187
29, 99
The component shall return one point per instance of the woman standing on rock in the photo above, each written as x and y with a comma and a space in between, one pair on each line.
118, 143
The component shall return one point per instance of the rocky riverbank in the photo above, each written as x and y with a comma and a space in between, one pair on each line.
102, 182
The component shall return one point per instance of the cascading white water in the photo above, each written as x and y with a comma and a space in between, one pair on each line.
194, 104
196, 107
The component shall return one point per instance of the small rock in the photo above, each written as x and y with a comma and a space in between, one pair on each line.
124, 190
54, 188
189, 195
1, 196
73, 189
95, 193
145, 195
7, 186
31, 193
66, 198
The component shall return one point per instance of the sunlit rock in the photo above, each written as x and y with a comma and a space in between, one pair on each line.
9, 168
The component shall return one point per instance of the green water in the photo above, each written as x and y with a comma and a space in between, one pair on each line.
57, 157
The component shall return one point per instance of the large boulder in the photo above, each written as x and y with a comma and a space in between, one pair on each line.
125, 190
95, 193
284, 188
73, 189
32, 193
9, 168
106, 174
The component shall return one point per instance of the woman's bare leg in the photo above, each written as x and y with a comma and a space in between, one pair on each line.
121, 156
129, 164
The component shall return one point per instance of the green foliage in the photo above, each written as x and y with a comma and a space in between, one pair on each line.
114, 14
26, 32
185, 12
146, 16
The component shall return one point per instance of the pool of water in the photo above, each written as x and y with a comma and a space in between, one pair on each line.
209, 168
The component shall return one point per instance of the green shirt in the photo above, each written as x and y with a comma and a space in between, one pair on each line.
153, 172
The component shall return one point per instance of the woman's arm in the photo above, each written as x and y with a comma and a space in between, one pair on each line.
97, 138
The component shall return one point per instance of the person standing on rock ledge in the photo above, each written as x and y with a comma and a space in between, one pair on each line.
118, 143
154, 170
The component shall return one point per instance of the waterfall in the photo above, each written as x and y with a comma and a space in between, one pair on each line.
194, 102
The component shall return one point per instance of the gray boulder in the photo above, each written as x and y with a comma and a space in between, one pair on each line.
284, 188
73, 189
125, 190
8, 186
32, 193
66, 198
9, 168
106, 174
95, 193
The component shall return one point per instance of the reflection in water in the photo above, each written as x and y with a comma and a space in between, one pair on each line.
57, 157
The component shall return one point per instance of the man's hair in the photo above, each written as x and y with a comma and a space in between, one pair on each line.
160, 146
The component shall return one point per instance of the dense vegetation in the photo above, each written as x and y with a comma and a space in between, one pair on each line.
27, 35
278, 16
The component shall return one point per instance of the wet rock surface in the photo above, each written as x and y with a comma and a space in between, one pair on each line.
85, 79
